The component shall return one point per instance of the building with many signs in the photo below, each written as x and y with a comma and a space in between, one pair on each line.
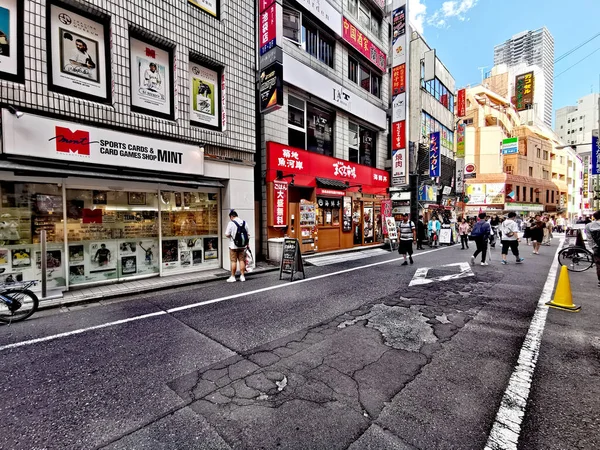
324, 93
514, 167
527, 49
432, 103
127, 135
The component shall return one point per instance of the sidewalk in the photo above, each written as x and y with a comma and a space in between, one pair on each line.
97, 293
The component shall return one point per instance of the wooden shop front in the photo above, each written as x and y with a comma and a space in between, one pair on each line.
324, 202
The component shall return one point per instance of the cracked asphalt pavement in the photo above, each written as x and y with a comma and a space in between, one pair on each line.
355, 360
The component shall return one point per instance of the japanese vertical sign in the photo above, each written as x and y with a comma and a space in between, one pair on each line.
361, 43
270, 38
586, 177
462, 103
524, 91
399, 94
280, 203
386, 211
434, 155
461, 130
595, 155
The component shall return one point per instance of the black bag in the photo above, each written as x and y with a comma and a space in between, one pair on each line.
240, 239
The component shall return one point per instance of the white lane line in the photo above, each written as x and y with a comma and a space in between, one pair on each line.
199, 304
507, 426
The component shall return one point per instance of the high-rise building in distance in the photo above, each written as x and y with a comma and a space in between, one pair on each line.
533, 48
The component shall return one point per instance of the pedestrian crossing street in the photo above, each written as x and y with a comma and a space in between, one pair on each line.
343, 257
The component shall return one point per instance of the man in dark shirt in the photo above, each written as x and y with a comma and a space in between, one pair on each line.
102, 255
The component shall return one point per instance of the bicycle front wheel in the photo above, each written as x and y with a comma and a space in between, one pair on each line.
27, 300
576, 259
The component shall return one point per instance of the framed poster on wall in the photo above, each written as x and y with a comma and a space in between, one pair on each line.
209, 6
79, 53
205, 96
151, 78
11, 40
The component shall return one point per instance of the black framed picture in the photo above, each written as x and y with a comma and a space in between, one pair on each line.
78, 52
206, 95
99, 197
136, 198
151, 68
12, 61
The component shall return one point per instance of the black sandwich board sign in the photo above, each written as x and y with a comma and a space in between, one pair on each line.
291, 259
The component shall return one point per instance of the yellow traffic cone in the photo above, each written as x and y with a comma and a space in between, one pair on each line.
563, 299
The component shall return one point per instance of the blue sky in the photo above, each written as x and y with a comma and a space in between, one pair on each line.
464, 33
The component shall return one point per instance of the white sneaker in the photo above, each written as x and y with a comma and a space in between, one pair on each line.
472, 260
242, 278
484, 264
231, 279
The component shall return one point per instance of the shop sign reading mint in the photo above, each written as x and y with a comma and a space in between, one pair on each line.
41, 137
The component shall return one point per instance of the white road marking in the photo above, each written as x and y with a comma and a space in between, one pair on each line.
199, 304
343, 257
507, 426
421, 274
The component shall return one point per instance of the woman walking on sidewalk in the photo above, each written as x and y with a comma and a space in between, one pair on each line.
536, 234
463, 231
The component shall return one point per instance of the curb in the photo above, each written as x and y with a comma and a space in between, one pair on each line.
59, 303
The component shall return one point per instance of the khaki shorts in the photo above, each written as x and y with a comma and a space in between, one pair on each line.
237, 254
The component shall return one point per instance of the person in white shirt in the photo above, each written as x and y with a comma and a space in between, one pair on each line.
236, 253
510, 238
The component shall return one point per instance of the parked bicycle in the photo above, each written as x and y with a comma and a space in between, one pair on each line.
576, 259
17, 302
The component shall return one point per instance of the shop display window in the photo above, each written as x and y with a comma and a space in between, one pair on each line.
25, 210
328, 213
190, 230
111, 234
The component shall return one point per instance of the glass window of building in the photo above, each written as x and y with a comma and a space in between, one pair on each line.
190, 230
352, 70
111, 234
320, 130
328, 212
375, 84
352, 7
296, 122
292, 24
317, 43
376, 26
364, 16
365, 78
26, 209
353, 149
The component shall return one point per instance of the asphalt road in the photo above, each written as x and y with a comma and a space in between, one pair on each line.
352, 357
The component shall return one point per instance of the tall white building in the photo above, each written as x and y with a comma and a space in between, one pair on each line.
574, 124
532, 48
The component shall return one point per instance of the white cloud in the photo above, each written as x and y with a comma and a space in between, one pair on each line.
416, 14
450, 9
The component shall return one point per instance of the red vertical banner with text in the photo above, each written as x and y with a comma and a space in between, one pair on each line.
280, 203
400, 65
386, 211
462, 103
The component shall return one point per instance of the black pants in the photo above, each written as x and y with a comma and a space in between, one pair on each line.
419, 243
513, 245
481, 243
464, 240
597, 261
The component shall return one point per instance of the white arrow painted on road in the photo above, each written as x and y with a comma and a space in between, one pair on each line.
420, 276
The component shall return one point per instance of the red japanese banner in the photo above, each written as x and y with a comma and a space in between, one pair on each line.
361, 43
399, 135
462, 103
264, 4
268, 29
306, 166
280, 203
399, 79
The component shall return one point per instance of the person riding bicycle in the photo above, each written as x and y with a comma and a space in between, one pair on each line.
592, 230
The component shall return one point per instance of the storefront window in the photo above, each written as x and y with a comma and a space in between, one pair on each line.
367, 147
329, 212
320, 131
190, 230
111, 234
25, 210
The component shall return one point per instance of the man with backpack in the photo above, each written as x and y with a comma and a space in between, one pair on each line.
592, 230
510, 238
481, 235
239, 237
